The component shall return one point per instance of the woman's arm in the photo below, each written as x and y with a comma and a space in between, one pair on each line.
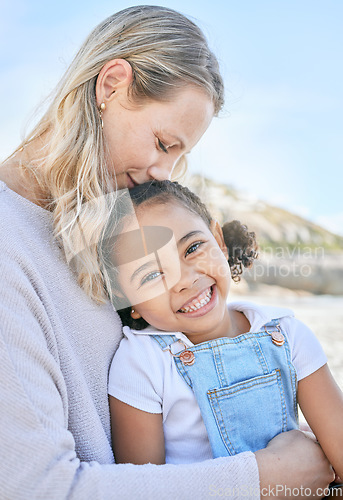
321, 402
137, 436
39, 460
291, 460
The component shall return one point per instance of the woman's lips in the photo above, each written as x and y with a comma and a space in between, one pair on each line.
130, 182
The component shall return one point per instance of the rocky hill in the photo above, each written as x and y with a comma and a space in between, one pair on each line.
294, 252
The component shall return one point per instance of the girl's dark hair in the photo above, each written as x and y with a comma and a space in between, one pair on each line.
241, 244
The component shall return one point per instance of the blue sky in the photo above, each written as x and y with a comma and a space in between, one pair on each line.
280, 135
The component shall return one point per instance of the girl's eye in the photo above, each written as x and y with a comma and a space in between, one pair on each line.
162, 146
151, 276
194, 247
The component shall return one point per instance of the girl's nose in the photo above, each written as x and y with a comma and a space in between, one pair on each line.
189, 276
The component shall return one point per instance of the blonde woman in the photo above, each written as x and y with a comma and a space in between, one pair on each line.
139, 94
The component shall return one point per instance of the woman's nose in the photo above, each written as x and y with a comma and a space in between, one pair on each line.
162, 171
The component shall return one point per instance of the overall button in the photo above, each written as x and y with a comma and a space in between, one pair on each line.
276, 335
187, 357
277, 338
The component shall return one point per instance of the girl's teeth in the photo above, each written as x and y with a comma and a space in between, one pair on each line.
206, 297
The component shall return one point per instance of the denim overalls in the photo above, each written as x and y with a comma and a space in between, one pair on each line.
245, 387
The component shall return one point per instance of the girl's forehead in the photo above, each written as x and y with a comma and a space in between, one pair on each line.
135, 244
152, 223
169, 213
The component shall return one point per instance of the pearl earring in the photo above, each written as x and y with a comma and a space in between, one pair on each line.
101, 109
132, 311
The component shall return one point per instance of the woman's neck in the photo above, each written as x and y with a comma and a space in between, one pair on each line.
22, 181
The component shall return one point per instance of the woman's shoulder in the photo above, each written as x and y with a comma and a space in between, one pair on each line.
13, 204
30, 257
21, 221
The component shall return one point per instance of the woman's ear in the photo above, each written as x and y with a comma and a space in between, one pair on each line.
217, 232
134, 314
115, 75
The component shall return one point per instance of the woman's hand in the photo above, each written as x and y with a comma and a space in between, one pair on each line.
293, 464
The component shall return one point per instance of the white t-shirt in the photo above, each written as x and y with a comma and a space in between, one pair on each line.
145, 377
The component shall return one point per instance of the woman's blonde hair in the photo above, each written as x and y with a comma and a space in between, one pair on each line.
166, 51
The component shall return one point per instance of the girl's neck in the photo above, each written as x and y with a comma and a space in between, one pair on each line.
238, 324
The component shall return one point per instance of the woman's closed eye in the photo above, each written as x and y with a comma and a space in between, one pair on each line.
153, 275
162, 146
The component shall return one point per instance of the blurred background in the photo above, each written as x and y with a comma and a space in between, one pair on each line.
274, 157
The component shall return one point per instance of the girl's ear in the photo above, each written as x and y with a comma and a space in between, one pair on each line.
134, 314
115, 75
217, 232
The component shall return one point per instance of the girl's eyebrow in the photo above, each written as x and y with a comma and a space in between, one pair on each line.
188, 236
141, 268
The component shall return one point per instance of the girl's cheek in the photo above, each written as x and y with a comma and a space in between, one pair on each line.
148, 293
224, 271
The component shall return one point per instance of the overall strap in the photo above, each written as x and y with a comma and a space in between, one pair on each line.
272, 324
166, 342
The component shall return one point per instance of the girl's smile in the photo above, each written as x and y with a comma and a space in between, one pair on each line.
198, 302
201, 305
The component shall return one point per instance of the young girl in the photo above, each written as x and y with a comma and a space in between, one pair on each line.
194, 377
